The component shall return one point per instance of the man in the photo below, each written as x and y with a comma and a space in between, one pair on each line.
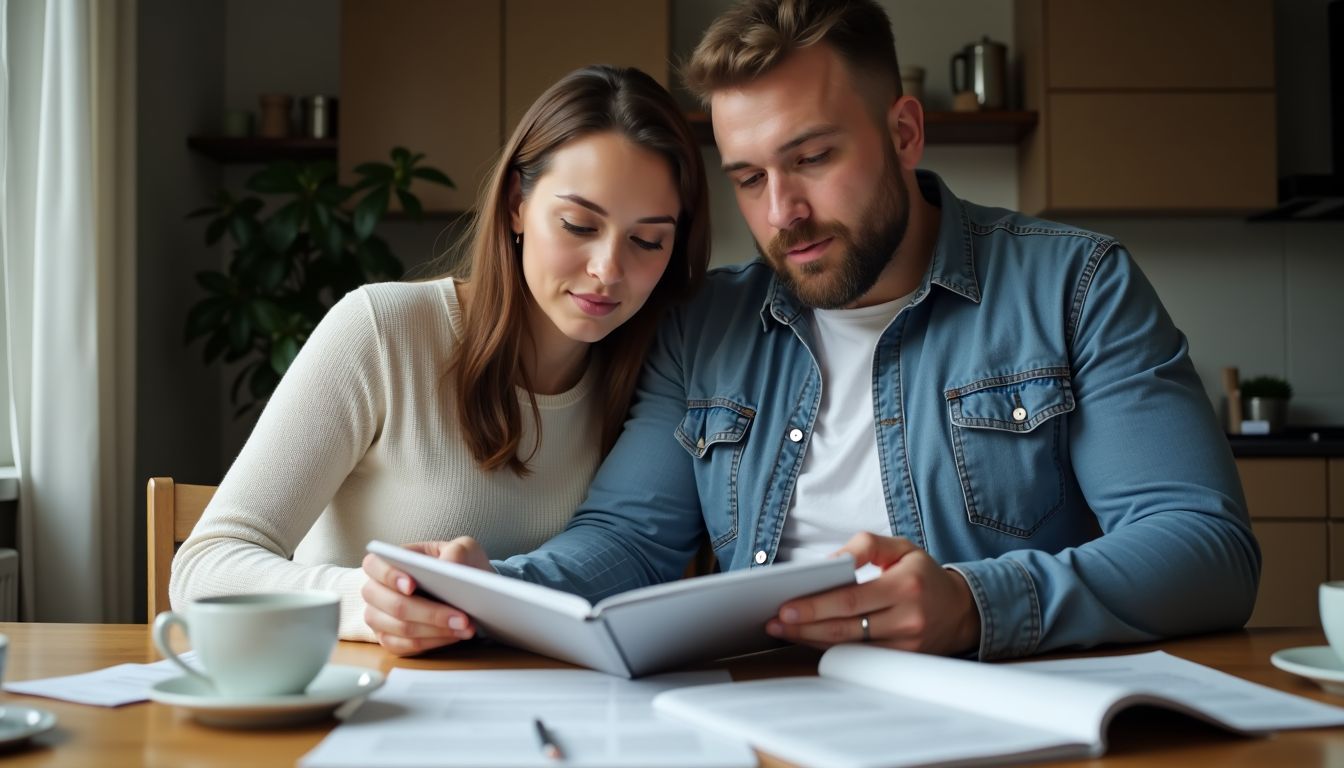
995, 411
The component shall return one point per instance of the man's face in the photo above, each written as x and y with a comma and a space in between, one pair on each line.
816, 176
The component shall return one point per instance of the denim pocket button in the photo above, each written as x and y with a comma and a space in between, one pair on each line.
1019, 414
796, 435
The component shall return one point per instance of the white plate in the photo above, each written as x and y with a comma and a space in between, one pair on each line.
1315, 662
20, 723
333, 686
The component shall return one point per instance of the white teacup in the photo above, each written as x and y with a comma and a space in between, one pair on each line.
256, 645
1331, 600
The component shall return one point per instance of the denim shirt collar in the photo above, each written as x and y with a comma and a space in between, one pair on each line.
952, 265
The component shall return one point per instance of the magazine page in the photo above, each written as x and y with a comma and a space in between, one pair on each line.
709, 617
530, 616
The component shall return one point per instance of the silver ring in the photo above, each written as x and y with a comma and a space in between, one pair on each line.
863, 624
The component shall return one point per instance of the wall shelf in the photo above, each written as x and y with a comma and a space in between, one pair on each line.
1001, 126
252, 149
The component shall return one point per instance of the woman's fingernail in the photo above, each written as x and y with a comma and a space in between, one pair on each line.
457, 622
404, 584
789, 614
465, 635
774, 628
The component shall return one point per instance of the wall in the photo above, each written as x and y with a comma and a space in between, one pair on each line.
1252, 295
180, 90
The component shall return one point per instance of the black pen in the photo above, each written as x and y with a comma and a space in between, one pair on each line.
547, 742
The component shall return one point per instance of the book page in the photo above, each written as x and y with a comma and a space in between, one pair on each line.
1161, 678
485, 718
1074, 708
825, 723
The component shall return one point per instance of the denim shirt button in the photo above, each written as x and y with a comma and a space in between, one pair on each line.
796, 435
760, 556
1019, 414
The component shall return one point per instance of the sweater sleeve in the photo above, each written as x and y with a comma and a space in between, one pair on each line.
324, 414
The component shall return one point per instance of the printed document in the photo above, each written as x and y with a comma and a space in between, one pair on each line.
487, 718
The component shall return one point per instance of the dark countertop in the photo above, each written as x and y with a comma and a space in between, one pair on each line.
1293, 441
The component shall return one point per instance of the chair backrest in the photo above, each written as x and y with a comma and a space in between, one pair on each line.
172, 511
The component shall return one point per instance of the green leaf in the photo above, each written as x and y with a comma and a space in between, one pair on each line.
410, 203
215, 282
375, 171
266, 315
278, 179
283, 352
283, 227
216, 345
216, 230
368, 212
238, 381
401, 156
240, 331
206, 317
333, 195
242, 228
433, 175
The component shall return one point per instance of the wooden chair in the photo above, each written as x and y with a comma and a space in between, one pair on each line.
172, 511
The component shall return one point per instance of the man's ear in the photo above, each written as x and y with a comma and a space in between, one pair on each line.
515, 201
905, 124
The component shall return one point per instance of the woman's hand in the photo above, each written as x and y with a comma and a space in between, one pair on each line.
405, 623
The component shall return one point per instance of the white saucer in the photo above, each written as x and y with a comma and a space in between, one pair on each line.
20, 723
333, 686
1315, 662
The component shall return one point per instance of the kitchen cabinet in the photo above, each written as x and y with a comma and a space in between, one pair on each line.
451, 78
1147, 107
1297, 513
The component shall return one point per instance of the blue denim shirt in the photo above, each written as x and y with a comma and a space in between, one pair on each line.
1040, 428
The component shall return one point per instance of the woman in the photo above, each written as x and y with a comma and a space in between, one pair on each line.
481, 406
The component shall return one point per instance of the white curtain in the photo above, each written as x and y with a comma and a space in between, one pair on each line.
66, 231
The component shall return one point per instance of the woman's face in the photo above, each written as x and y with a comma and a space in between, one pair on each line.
598, 230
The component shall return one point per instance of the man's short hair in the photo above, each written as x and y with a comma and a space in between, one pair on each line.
756, 35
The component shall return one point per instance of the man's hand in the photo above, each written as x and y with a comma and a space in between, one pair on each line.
406, 624
915, 605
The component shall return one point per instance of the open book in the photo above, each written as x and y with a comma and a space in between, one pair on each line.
633, 633
873, 707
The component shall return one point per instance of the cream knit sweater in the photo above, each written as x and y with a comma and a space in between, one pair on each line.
361, 441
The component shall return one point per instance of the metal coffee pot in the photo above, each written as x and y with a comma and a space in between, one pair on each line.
984, 70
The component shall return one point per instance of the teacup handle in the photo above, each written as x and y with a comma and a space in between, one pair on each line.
162, 623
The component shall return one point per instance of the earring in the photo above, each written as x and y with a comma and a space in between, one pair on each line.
517, 238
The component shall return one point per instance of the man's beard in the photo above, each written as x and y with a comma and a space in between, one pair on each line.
861, 259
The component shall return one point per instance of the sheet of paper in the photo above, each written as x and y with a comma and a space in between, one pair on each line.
109, 687
823, 723
485, 718
1239, 703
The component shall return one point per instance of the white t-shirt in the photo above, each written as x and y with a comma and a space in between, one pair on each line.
839, 491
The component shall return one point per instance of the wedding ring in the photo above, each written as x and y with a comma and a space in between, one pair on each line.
863, 624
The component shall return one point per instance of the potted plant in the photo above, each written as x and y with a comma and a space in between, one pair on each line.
1265, 398
293, 257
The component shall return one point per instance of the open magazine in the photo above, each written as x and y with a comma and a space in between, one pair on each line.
873, 707
633, 633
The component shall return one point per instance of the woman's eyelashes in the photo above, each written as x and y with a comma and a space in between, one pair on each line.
581, 231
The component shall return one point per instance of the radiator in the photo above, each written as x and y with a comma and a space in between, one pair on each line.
9, 585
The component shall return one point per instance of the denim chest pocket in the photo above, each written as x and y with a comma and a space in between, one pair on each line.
714, 432
1007, 438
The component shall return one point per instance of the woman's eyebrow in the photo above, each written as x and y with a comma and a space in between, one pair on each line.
599, 210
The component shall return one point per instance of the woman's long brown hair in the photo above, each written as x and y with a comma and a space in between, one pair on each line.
487, 364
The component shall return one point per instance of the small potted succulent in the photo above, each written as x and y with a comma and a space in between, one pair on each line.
1265, 398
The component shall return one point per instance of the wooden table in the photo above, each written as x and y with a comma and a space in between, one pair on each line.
150, 734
